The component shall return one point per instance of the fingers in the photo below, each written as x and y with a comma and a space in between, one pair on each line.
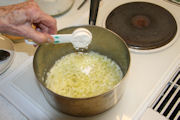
42, 20
47, 24
39, 37
42, 28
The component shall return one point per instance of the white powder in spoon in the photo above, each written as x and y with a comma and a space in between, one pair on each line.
81, 38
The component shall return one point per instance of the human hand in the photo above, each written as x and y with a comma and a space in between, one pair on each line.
18, 20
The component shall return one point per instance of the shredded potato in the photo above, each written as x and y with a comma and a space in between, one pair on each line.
80, 75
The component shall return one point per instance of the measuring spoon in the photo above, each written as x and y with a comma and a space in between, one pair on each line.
80, 38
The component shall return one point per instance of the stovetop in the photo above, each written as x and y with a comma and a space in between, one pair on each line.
148, 73
105, 10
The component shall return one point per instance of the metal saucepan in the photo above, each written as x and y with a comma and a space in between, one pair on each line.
104, 42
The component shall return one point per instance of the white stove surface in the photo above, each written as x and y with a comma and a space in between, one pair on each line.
148, 73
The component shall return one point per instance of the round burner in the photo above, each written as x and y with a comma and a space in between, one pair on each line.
142, 25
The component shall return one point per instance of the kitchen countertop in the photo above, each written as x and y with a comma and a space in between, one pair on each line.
22, 53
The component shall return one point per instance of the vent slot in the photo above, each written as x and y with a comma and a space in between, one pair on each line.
168, 103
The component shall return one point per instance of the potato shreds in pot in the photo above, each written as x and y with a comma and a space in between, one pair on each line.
81, 75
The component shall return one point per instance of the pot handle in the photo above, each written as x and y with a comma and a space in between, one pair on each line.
93, 11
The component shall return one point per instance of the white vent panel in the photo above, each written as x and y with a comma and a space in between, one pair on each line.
168, 103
